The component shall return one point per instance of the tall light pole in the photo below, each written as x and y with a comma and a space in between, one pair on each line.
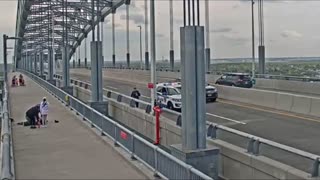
140, 47
253, 41
153, 52
5, 63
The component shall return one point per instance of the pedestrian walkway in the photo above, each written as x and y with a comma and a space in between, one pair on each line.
64, 150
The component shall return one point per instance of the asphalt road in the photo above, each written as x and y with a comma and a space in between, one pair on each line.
286, 128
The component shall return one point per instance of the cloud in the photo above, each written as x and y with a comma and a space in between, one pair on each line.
235, 40
290, 34
159, 35
222, 30
136, 18
236, 6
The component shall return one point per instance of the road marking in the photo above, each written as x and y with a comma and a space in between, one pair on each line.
110, 87
271, 111
225, 118
145, 97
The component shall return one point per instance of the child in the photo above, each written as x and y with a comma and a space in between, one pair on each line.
44, 109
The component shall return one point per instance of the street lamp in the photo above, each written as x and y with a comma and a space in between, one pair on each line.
140, 47
253, 43
5, 63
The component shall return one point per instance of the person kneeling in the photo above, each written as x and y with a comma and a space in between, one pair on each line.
32, 116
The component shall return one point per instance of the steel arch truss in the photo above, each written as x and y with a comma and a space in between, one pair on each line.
42, 24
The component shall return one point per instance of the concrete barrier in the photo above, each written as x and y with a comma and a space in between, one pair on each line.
312, 88
235, 162
299, 104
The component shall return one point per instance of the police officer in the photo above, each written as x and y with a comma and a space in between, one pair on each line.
135, 94
32, 116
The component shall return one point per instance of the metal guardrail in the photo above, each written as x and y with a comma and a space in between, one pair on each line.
290, 78
162, 163
7, 163
253, 142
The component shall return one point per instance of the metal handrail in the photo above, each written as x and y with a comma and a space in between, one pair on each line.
281, 77
145, 142
7, 171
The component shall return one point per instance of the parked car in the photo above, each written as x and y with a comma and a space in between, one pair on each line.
236, 79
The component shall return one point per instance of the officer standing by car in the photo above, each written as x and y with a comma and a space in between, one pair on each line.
135, 94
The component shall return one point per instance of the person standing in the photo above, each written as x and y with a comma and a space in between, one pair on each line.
136, 94
44, 109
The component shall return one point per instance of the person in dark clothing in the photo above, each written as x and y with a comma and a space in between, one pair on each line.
32, 116
136, 94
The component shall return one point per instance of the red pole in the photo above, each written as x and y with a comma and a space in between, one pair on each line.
157, 111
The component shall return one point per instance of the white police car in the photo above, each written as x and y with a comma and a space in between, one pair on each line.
169, 95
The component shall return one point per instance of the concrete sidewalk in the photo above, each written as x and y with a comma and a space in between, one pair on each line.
64, 150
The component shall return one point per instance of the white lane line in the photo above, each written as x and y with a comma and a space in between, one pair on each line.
110, 87
145, 97
228, 119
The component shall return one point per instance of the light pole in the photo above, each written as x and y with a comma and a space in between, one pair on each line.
5, 63
153, 52
253, 43
140, 47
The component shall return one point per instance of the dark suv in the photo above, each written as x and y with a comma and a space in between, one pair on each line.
235, 79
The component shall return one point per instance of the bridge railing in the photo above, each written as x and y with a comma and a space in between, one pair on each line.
290, 78
162, 163
254, 145
7, 160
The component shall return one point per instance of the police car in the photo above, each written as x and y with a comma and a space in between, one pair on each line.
211, 91
169, 95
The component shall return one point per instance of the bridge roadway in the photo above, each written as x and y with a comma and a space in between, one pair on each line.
65, 150
295, 130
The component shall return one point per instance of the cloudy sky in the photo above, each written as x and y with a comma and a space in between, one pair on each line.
291, 28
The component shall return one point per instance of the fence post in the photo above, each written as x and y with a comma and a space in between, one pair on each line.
115, 135
132, 146
315, 168
250, 145
155, 174
256, 147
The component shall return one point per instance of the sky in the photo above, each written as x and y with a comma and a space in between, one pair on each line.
291, 28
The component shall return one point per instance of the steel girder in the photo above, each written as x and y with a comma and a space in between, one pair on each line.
40, 23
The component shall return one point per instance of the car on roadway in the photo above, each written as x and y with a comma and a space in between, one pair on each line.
211, 92
169, 95
236, 79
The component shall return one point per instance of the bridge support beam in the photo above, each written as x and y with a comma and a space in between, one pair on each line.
74, 63
207, 58
41, 65
172, 60
50, 67
262, 62
66, 70
96, 78
35, 63
36, 59
193, 149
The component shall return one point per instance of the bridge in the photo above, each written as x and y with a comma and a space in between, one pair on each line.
95, 129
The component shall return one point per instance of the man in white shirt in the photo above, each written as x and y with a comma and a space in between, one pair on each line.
44, 109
